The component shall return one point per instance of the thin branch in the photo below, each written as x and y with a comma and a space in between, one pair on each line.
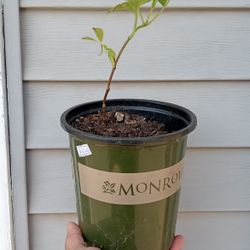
157, 15
136, 28
136, 18
141, 15
112, 74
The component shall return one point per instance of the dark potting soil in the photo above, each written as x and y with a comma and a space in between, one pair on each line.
119, 124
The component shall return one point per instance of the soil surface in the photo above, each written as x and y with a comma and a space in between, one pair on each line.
119, 124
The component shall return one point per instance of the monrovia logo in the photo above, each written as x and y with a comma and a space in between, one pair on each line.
149, 187
130, 188
108, 187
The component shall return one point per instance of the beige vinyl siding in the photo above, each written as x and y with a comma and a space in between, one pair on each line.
183, 45
6, 219
107, 4
16, 130
217, 127
206, 231
209, 174
197, 55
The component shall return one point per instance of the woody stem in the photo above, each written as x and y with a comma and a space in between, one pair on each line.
112, 73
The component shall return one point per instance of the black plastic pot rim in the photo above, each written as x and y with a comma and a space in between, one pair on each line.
158, 139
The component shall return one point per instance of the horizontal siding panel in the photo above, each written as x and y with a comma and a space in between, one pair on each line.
205, 231
108, 4
182, 45
50, 181
214, 180
48, 231
221, 108
225, 231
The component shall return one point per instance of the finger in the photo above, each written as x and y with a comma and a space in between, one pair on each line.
178, 243
74, 239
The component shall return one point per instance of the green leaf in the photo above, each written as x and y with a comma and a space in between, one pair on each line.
141, 2
101, 52
88, 38
120, 7
111, 54
99, 33
154, 3
133, 2
133, 5
163, 2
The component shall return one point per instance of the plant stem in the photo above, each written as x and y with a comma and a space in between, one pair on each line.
136, 28
141, 15
158, 14
150, 12
104, 100
113, 72
136, 18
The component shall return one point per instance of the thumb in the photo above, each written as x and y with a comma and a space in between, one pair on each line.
177, 243
74, 239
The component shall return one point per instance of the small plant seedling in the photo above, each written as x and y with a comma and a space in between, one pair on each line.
141, 20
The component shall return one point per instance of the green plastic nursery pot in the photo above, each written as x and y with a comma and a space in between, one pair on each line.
128, 189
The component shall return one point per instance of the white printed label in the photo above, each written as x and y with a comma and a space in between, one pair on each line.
83, 150
130, 188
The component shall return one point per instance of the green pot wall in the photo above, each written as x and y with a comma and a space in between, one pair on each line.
150, 225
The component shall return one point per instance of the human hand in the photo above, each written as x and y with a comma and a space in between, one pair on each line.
75, 241
177, 243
